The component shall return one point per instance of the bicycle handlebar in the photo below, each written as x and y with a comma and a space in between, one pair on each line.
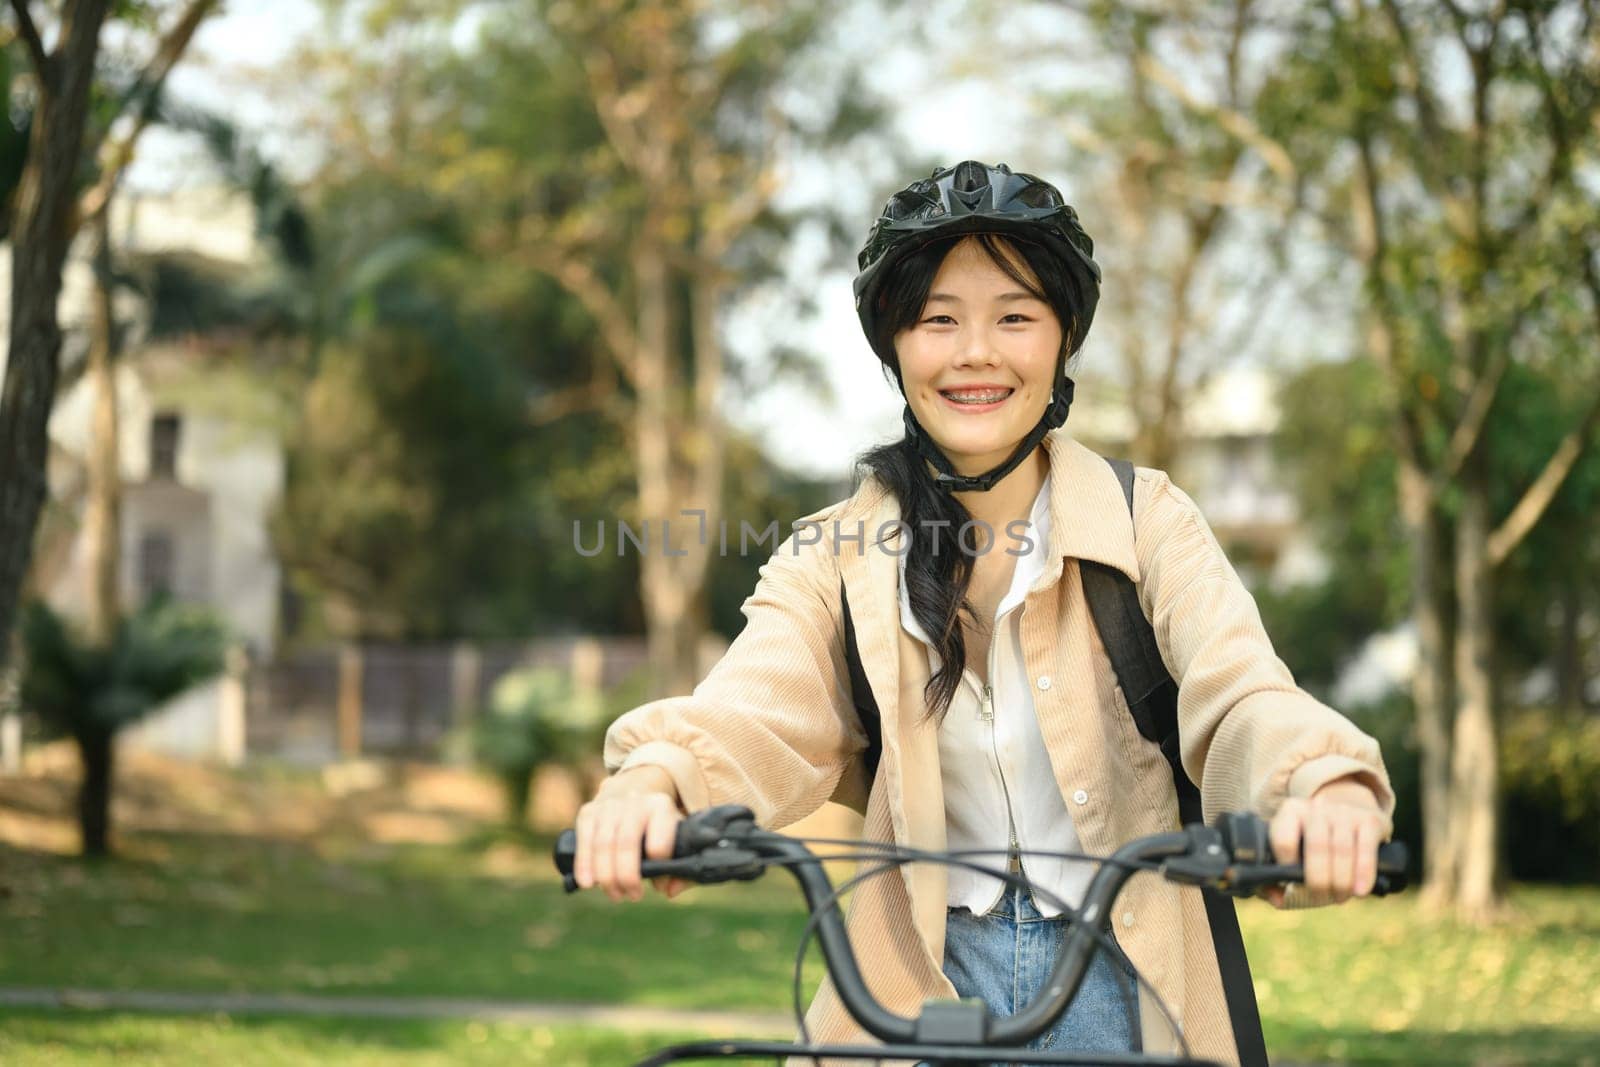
1234, 857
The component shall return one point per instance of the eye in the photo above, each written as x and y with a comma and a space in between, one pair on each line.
935, 319
1018, 316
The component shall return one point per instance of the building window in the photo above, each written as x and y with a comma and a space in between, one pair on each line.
157, 564
164, 446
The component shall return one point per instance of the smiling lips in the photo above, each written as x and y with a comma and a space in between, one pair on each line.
976, 398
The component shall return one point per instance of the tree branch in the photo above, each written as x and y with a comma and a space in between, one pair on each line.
575, 275
1528, 510
1434, 163
1560, 127
1372, 245
1234, 122
30, 36
1525, 516
596, 395
115, 160
1474, 415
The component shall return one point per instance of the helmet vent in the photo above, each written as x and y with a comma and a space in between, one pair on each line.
970, 177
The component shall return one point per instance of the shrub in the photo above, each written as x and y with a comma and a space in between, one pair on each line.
1550, 768
1549, 779
534, 717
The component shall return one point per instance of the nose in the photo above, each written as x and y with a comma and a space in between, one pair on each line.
976, 348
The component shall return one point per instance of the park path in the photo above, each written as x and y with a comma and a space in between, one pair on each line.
611, 1016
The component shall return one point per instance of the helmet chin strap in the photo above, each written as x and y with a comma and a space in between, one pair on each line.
951, 482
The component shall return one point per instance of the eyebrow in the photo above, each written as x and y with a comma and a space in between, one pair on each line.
951, 298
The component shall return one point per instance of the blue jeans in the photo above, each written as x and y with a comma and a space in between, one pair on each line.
1005, 957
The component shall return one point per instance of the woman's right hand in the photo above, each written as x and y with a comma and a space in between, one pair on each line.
634, 807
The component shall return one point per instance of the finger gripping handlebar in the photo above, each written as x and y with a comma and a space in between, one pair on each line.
704, 850
1245, 862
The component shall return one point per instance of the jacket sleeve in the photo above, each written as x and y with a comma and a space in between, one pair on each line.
1248, 735
772, 726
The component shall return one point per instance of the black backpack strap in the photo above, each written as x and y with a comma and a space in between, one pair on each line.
1152, 697
861, 693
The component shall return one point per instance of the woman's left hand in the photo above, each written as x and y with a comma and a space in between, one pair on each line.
1341, 826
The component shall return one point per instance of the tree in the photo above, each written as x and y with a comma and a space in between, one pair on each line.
626, 154
1473, 237
47, 212
90, 689
694, 134
1179, 182
1468, 223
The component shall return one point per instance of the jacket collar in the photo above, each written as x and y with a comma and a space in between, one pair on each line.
1089, 516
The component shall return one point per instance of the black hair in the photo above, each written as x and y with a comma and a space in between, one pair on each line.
939, 560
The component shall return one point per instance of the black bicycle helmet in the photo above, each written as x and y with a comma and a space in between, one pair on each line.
973, 197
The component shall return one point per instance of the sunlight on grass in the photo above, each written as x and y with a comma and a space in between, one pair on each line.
122, 1040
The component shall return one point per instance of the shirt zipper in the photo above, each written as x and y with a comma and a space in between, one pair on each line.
988, 711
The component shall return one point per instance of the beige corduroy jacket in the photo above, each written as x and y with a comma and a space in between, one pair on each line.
772, 725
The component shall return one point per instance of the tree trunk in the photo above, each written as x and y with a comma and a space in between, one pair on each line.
518, 785
94, 794
671, 634
1431, 681
102, 524
1571, 675
1475, 752
41, 230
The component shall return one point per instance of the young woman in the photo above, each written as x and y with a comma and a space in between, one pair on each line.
1002, 724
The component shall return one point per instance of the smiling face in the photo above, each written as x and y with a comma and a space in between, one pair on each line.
978, 364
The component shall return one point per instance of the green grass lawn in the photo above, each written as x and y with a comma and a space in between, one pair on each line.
242, 914
51, 1039
1375, 982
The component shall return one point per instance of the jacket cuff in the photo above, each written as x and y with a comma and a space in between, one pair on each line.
1318, 771
681, 767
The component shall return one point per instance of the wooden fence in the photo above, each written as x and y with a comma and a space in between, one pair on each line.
318, 704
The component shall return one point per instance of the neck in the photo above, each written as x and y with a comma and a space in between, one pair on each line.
1012, 497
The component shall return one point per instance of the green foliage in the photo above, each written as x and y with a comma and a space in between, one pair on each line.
1559, 562
401, 513
1551, 774
84, 689
534, 717
1334, 450
423, 499
1550, 767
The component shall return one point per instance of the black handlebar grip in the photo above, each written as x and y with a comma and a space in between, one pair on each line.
565, 854
1393, 858
695, 834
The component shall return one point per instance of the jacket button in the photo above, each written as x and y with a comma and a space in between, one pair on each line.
1044, 681
1080, 797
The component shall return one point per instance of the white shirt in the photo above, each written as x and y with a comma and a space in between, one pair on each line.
995, 767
